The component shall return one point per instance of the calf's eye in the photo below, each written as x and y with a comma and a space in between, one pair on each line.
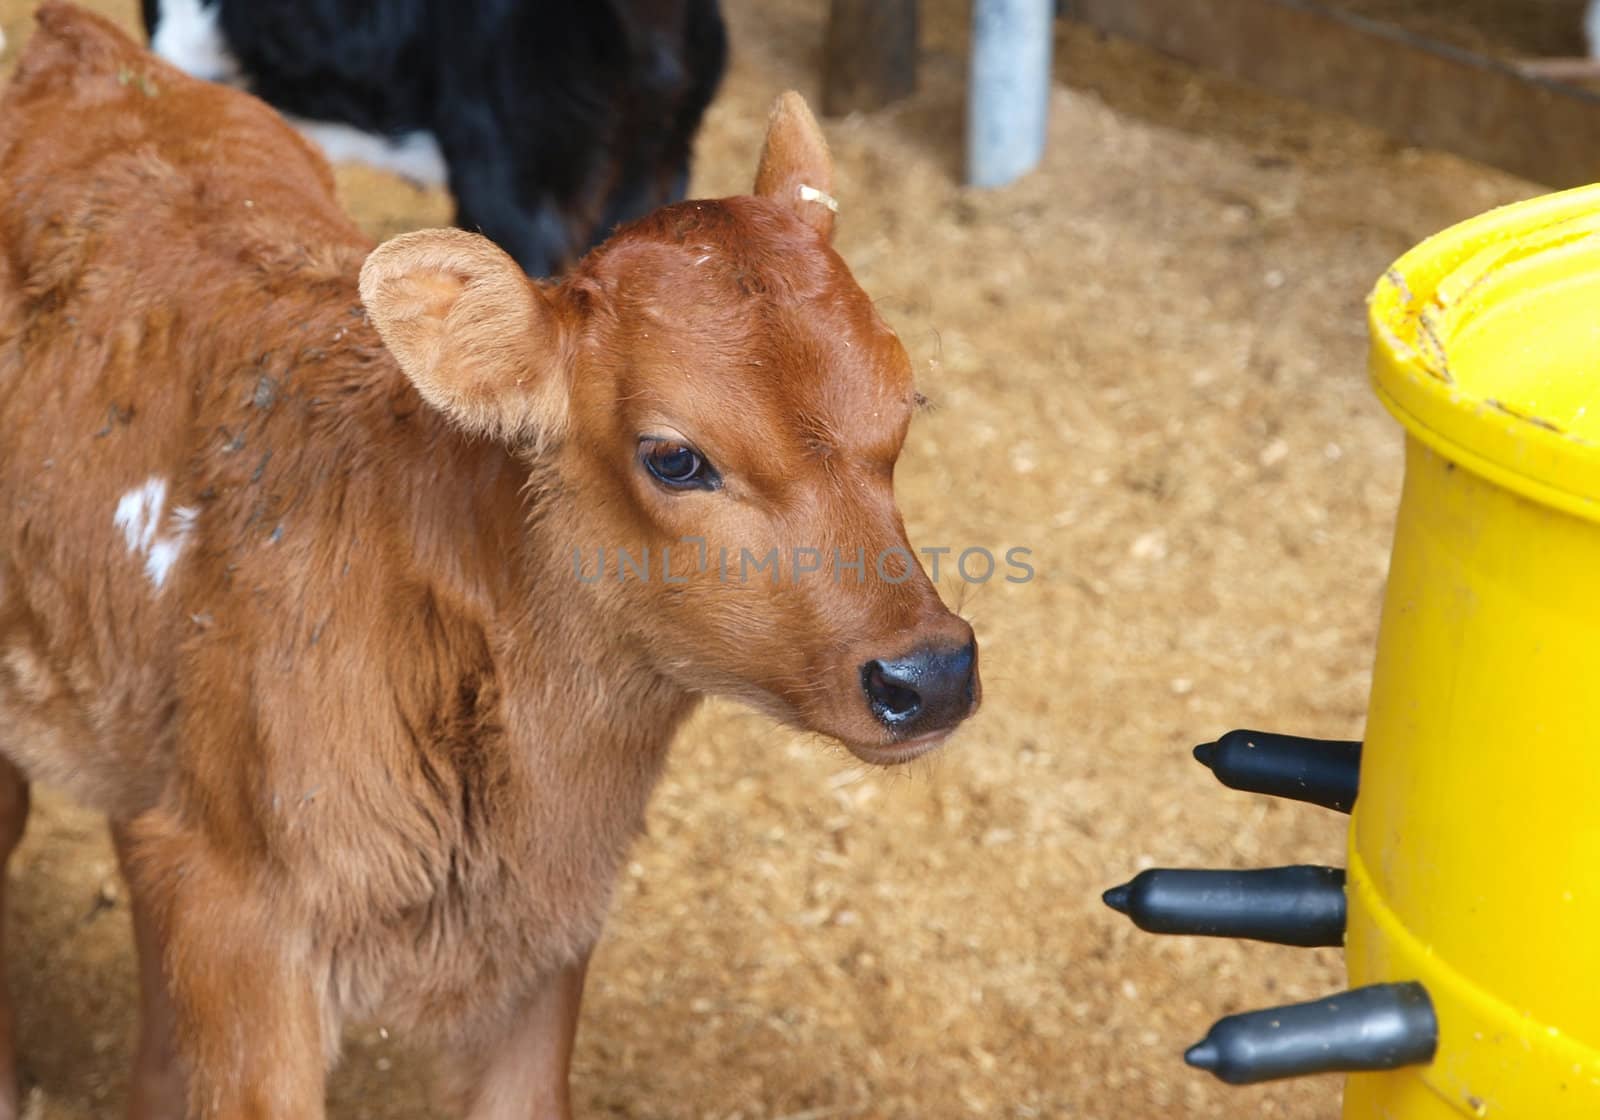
677, 465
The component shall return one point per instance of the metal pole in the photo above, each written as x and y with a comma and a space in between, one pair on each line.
1008, 94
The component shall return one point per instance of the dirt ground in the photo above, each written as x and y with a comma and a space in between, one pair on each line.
1147, 360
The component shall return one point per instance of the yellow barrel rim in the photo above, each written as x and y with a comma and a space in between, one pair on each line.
1432, 312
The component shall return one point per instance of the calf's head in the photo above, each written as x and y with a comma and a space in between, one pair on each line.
714, 410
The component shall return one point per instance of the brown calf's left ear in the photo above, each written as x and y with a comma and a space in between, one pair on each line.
796, 168
481, 342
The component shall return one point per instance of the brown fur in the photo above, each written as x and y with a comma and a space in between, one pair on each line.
373, 752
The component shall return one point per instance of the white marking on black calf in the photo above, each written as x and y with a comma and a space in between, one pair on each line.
139, 516
414, 156
188, 36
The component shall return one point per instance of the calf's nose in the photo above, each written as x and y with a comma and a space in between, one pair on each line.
928, 690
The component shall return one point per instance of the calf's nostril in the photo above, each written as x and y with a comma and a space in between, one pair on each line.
892, 700
930, 689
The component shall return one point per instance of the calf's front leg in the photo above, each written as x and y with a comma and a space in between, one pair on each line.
245, 1013
523, 1076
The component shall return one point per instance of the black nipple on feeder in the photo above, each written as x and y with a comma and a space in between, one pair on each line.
1380, 1027
1284, 905
1322, 771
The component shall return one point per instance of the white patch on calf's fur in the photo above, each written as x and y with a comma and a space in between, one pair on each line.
163, 554
187, 35
138, 513
414, 156
139, 516
165, 550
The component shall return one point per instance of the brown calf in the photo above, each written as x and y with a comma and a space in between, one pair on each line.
298, 608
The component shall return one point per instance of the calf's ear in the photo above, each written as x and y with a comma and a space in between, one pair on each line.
480, 341
796, 168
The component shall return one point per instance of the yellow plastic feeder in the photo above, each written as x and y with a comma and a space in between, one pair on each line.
1474, 862
1469, 910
